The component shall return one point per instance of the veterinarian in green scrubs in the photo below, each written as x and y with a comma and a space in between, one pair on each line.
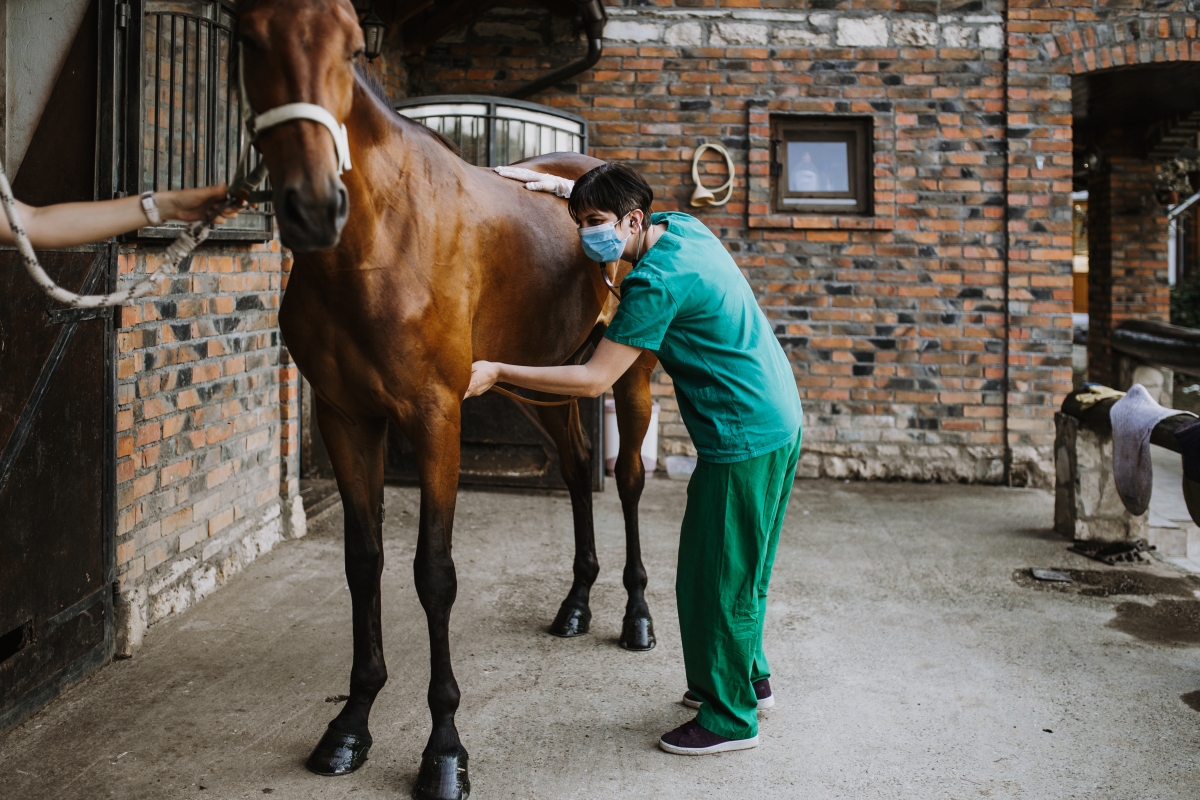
687, 302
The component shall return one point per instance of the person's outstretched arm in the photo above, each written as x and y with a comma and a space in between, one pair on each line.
608, 363
69, 224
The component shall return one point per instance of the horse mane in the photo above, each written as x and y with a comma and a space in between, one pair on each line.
370, 81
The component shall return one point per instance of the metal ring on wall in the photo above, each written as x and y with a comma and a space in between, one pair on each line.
703, 196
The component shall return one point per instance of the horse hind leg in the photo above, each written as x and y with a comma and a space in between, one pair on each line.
565, 427
631, 394
356, 450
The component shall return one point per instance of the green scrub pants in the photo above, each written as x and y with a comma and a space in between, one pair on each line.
726, 551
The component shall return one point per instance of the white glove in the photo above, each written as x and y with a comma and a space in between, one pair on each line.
538, 181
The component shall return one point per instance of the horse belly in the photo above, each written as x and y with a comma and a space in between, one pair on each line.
543, 330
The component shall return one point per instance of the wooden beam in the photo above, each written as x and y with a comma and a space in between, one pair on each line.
561, 8
404, 10
428, 28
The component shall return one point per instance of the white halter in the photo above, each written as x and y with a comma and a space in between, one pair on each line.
190, 237
257, 123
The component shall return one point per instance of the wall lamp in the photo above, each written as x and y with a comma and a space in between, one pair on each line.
373, 29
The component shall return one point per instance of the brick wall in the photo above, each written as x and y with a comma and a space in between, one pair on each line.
207, 447
905, 331
1127, 276
1139, 244
894, 324
1047, 46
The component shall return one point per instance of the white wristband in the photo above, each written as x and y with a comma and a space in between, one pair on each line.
150, 206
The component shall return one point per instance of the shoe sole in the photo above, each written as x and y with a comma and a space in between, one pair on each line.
766, 702
732, 744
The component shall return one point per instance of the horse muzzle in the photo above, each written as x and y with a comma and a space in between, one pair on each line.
311, 218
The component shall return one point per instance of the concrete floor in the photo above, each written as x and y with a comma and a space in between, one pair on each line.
1172, 530
911, 659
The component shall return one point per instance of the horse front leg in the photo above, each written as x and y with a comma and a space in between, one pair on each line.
435, 437
356, 450
574, 457
631, 394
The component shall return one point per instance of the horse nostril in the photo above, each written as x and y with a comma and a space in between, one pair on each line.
343, 205
292, 207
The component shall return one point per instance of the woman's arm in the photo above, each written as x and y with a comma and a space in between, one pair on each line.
608, 363
69, 224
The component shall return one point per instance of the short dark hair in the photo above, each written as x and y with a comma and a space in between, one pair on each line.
618, 188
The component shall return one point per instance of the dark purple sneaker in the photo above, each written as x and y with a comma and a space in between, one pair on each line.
690, 739
762, 690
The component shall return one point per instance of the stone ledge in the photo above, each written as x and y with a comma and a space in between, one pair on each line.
1032, 467
191, 579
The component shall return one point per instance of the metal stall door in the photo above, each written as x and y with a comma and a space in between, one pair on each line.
503, 443
56, 421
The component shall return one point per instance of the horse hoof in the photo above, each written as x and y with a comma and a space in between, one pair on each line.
443, 778
571, 621
637, 633
338, 753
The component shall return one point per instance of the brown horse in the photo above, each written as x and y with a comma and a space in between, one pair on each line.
407, 268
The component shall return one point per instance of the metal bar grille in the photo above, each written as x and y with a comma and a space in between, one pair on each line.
493, 132
192, 133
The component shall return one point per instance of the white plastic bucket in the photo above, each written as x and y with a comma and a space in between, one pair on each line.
612, 439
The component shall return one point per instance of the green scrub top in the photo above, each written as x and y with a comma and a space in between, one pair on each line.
688, 303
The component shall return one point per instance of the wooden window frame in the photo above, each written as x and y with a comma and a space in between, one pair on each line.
858, 134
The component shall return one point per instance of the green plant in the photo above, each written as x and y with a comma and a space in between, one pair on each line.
1185, 303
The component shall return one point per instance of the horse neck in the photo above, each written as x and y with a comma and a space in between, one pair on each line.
387, 149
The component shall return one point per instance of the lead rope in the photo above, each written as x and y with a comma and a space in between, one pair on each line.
188, 240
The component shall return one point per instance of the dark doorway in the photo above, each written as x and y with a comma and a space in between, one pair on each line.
1136, 133
503, 444
56, 421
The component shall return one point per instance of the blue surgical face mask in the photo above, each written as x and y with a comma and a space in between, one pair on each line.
601, 243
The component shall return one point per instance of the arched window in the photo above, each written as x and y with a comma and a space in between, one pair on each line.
494, 131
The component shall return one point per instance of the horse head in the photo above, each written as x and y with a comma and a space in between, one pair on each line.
297, 55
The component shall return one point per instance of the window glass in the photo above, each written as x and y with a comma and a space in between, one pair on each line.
818, 167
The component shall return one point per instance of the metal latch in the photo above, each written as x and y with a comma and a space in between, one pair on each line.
71, 316
776, 164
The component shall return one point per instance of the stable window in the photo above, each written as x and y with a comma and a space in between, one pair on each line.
821, 165
186, 125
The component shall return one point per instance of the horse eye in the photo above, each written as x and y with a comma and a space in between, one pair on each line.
247, 43
357, 53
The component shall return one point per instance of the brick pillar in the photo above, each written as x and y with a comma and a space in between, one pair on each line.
1100, 366
295, 522
1127, 243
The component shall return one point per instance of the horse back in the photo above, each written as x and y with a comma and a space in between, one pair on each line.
571, 166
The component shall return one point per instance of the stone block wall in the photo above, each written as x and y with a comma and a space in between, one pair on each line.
207, 429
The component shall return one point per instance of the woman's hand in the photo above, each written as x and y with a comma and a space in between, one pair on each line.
484, 375
190, 205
